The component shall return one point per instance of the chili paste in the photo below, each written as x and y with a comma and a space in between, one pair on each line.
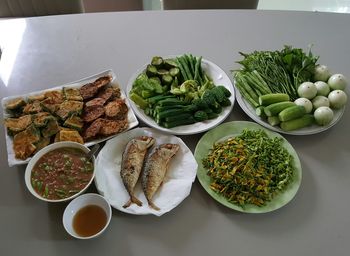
61, 173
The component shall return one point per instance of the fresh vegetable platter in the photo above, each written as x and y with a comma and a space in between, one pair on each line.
235, 187
289, 92
181, 94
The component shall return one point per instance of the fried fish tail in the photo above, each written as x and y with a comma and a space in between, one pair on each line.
132, 200
153, 206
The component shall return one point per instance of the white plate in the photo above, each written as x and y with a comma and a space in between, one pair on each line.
250, 111
176, 185
218, 76
131, 116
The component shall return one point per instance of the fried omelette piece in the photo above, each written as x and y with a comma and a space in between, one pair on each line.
50, 105
15, 104
50, 129
16, 125
66, 135
38, 97
41, 119
55, 96
131, 166
69, 107
155, 169
43, 142
72, 94
24, 142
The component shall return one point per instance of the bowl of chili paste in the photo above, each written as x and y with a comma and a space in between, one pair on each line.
60, 172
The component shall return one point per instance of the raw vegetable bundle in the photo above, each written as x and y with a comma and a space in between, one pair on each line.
265, 72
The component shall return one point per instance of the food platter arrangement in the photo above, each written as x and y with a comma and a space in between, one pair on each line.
246, 166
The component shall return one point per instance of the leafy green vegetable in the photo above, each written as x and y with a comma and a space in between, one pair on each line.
250, 168
172, 90
282, 71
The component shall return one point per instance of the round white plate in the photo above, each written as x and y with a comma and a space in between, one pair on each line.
250, 111
176, 185
218, 76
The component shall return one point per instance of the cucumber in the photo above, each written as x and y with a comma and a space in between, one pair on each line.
142, 103
271, 98
172, 124
273, 120
260, 111
275, 108
157, 61
301, 122
291, 113
151, 71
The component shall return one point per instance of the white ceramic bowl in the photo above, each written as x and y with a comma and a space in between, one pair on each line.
75, 205
38, 155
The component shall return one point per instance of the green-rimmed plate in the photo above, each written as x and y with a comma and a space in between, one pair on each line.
235, 128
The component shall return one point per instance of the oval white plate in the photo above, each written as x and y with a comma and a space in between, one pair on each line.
250, 111
176, 185
218, 76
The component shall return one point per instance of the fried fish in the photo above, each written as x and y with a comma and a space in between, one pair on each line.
155, 169
132, 162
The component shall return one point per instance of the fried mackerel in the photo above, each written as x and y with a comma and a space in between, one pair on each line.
155, 169
132, 162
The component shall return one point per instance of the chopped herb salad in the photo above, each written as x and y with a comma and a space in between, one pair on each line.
249, 168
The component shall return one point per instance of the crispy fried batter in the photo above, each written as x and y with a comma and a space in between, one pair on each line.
92, 113
15, 125
39, 97
72, 94
49, 105
23, 142
95, 102
41, 119
32, 108
88, 91
110, 127
102, 81
116, 109
15, 103
55, 96
68, 108
74, 136
43, 142
50, 129
92, 130
106, 93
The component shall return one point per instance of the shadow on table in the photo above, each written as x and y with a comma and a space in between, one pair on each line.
169, 231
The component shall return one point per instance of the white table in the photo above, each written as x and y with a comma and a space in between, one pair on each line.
44, 52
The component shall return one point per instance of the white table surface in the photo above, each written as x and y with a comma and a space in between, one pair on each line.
40, 53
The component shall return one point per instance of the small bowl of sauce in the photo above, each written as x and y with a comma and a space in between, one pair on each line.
87, 216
